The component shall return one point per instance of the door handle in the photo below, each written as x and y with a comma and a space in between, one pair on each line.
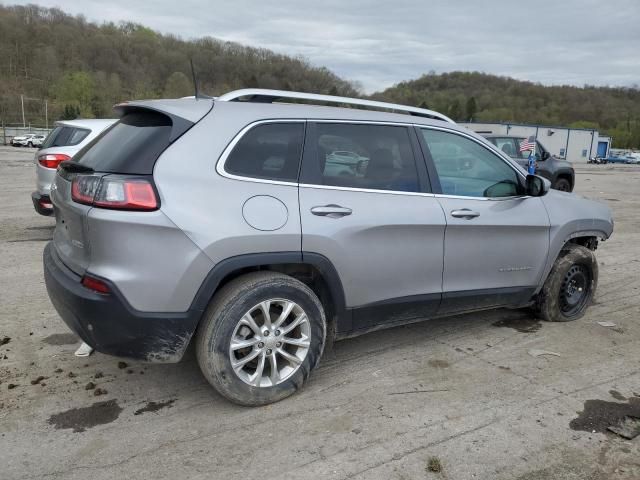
464, 213
331, 211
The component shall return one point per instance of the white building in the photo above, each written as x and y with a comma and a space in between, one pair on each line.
572, 144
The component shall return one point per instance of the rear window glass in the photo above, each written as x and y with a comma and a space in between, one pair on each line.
65, 136
270, 151
51, 137
131, 145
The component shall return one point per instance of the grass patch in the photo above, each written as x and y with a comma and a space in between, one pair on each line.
434, 465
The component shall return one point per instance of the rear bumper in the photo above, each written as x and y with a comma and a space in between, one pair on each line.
42, 204
109, 324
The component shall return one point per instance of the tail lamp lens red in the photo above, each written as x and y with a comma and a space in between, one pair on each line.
114, 191
52, 160
95, 284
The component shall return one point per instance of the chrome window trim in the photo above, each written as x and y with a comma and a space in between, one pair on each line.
496, 152
508, 161
366, 190
229, 148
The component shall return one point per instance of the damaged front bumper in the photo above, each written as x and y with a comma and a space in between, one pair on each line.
109, 324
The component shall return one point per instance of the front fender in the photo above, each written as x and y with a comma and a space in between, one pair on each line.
573, 216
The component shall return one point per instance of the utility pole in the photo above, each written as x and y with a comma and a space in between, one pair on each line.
24, 124
46, 115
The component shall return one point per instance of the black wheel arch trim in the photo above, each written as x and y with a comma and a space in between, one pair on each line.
599, 234
230, 265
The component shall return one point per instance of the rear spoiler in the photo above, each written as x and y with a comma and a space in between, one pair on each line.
184, 112
190, 109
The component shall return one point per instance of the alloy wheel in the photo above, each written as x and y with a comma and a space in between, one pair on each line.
270, 342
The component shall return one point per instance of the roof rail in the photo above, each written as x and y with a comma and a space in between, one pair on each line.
261, 95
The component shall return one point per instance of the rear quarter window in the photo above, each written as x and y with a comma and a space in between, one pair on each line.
268, 151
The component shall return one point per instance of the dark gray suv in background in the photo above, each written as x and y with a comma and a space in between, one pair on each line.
559, 172
226, 221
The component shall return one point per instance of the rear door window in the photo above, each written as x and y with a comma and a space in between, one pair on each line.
377, 157
269, 151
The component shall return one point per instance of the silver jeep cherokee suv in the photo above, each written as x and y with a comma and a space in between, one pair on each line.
222, 219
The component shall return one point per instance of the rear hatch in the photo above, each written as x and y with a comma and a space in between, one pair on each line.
117, 162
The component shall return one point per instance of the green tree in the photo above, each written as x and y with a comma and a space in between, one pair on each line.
178, 85
455, 110
70, 112
76, 89
472, 108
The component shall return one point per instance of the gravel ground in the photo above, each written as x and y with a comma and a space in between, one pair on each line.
462, 395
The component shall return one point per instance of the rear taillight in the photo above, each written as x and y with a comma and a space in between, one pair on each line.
114, 191
52, 160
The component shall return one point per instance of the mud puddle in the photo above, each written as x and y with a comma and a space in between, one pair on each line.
154, 406
599, 415
79, 419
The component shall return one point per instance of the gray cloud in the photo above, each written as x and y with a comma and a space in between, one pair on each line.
381, 43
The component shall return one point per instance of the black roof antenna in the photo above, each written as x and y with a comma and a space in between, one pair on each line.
195, 79
195, 82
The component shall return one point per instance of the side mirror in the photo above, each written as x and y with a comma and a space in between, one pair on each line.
536, 186
545, 155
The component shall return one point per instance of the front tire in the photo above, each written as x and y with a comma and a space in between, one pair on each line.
570, 286
563, 185
262, 335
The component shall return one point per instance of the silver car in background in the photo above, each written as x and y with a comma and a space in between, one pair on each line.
65, 140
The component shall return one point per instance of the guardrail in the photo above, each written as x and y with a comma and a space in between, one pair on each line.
7, 132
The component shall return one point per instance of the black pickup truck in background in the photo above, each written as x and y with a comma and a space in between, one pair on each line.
559, 172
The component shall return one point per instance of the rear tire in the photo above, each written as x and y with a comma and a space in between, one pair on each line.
278, 358
563, 185
570, 286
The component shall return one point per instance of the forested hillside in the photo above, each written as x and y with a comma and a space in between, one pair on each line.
83, 68
481, 97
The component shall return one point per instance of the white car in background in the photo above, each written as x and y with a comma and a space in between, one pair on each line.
38, 140
25, 140
64, 141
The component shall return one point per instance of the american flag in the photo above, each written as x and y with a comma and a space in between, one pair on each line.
528, 144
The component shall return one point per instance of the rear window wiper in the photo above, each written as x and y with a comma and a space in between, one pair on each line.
70, 166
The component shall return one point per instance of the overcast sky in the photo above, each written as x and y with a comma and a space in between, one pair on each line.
379, 43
